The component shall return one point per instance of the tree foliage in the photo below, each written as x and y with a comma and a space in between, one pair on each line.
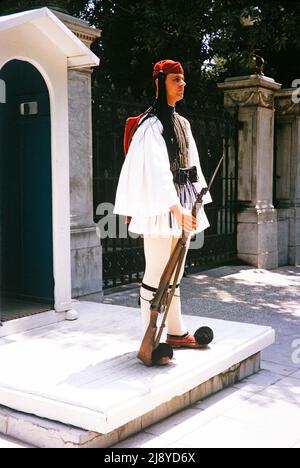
210, 37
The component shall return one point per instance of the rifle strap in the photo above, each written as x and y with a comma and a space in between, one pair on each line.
150, 288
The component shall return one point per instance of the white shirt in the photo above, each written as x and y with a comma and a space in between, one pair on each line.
146, 191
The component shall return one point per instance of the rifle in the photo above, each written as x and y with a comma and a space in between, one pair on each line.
150, 352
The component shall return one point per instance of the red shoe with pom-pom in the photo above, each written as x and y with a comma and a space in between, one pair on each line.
185, 341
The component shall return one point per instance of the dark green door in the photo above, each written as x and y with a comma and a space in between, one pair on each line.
26, 189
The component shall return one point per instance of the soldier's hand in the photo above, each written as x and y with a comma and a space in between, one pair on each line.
184, 218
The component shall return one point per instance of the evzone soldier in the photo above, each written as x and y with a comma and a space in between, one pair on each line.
157, 188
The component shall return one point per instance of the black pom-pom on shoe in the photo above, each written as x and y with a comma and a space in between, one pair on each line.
204, 336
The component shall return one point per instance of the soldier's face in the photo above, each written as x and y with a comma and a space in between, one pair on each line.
175, 85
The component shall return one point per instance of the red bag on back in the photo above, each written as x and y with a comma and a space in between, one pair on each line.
131, 125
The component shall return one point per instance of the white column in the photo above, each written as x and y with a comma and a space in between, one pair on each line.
86, 251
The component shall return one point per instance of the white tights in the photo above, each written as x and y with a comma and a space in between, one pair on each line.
157, 253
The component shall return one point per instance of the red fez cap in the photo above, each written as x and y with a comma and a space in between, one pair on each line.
167, 66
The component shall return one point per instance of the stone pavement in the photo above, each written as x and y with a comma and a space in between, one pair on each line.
261, 411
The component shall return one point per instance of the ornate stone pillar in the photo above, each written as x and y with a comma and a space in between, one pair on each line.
288, 176
253, 97
86, 252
